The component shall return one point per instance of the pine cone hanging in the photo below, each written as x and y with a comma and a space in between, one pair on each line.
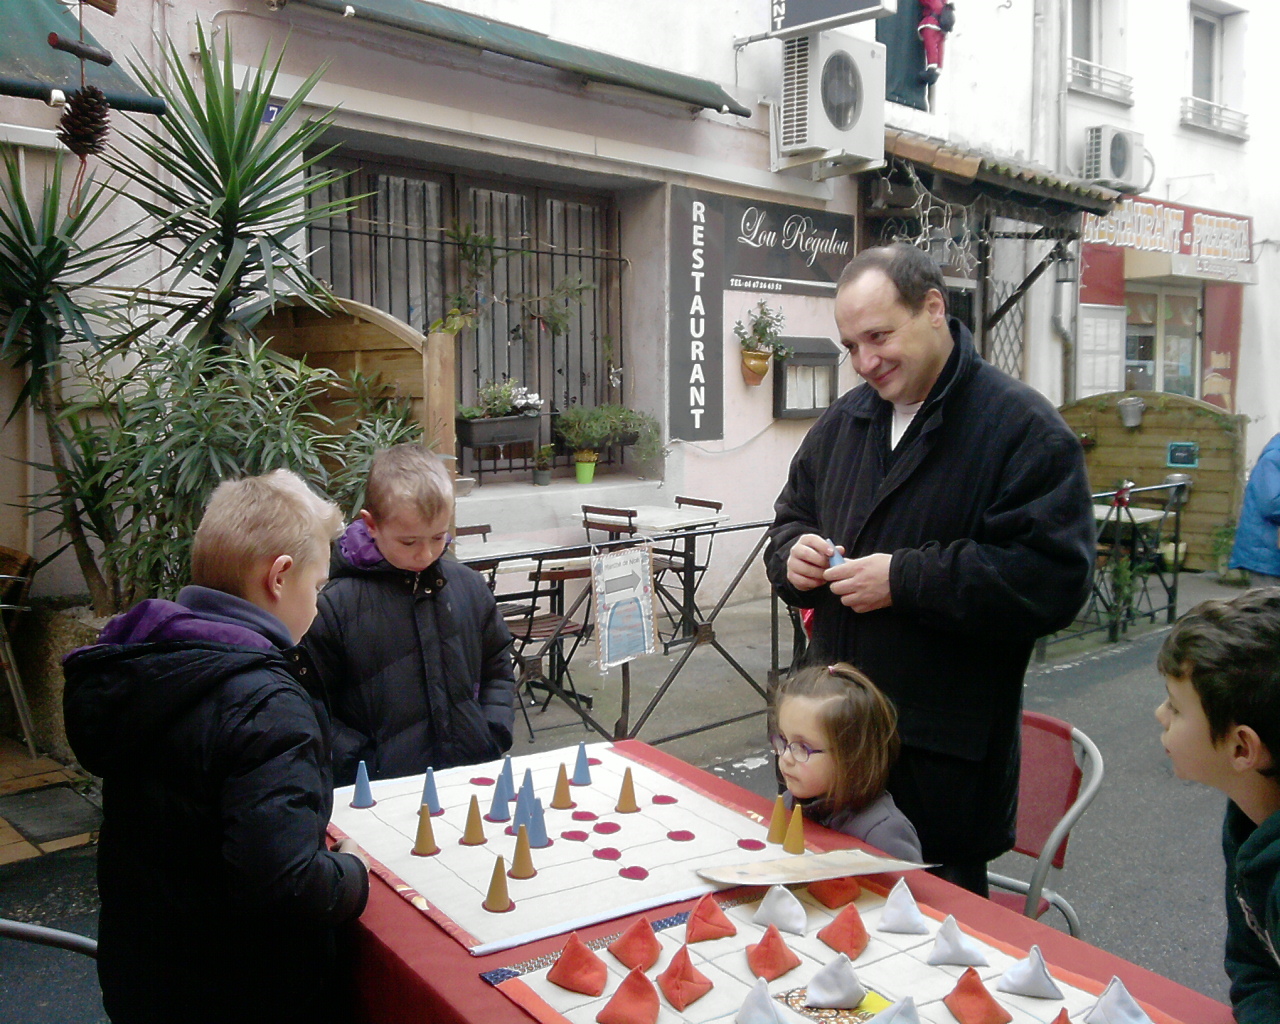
84, 124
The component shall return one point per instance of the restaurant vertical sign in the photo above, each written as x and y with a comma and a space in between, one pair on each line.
697, 316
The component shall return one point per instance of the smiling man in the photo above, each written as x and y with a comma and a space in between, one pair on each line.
959, 499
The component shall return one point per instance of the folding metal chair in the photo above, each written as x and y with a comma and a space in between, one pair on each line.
671, 561
1050, 802
612, 522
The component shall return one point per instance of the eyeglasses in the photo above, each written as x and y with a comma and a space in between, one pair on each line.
800, 752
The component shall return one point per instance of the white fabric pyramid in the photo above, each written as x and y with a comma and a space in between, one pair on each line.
901, 1012
900, 913
761, 1008
952, 946
836, 986
780, 907
1116, 1006
1030, 977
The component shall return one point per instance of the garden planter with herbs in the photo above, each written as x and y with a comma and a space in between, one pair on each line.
760, 338
496, 430
584, 465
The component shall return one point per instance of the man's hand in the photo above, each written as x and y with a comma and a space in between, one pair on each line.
862, 584
808, 561
350, 846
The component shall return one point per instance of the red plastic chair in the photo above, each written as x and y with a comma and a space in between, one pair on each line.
1050, 802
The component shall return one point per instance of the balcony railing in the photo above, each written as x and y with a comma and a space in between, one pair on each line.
1094, 79
1214, 117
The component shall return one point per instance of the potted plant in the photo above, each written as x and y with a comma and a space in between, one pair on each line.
506, 412
633, 428
585, 431
542, 464
759, 336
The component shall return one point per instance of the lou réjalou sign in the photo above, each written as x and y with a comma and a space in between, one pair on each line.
724, 243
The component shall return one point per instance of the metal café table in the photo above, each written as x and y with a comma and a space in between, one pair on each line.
408, 970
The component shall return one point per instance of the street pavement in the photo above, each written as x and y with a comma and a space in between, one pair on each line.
1143, 868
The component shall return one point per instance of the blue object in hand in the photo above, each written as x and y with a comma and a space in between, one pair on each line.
836, 558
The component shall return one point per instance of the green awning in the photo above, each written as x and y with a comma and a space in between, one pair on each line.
522, 44
30, 67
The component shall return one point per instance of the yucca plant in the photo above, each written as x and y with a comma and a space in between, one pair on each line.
228, 194
50, 295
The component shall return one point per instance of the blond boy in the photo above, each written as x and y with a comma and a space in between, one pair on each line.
410, 646
219, 896
1221, 722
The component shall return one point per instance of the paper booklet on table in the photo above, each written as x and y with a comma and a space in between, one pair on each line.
810, 867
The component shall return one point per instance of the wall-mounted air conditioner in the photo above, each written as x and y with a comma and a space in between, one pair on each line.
1114, 157
832, 107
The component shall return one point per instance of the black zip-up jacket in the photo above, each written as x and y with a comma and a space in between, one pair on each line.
219, 897
417, 665
985, 507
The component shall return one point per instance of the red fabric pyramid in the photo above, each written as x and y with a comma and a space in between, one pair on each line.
707, 921
637, 946
578, 969
835, 892
846, 934
635, 1002
1061, 1018
971, 1003
771, 957
681, 982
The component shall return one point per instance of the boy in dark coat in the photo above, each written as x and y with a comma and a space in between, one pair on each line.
219, 896
1221, 723
410, 646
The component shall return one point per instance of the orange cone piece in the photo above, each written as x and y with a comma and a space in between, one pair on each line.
635, 1002
835, 892
681, 982
707, 921
627, 798
778, 821
794, 843
498, 901
578, 969
561, 800
846, 934
971, 1003
474, 833
424, 844
771, 957
637, 946
522, 861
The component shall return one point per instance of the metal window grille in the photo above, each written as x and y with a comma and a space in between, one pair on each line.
1005, 342
394, 252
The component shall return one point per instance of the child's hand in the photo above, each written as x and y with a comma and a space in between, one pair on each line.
350, 846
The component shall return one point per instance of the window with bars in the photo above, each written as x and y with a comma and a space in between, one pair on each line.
540, 265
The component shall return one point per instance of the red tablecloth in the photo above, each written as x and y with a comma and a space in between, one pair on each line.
409, 971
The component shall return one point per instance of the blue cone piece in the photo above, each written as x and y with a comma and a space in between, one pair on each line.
581, 770
526, 787
363, 795
498, 809
506, 779
429, 796
524, 811
537, 826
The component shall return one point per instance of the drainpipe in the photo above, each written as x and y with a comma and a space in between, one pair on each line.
1068, 346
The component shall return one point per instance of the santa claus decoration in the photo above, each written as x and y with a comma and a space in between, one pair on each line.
937, 18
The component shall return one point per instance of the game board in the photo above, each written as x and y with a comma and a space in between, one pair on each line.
601, 864
892, 966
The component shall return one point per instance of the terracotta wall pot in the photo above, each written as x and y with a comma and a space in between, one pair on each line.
754, 367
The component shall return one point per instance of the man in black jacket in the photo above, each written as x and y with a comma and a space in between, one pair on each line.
959, 498
219, 895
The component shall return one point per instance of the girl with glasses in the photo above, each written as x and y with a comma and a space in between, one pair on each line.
836, 737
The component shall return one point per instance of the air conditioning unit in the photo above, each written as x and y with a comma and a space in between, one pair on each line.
832, 108
1115, 157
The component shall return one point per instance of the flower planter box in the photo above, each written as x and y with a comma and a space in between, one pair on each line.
497, 430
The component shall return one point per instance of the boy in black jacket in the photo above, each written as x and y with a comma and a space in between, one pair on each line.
410, 646
219, 896
1221, 723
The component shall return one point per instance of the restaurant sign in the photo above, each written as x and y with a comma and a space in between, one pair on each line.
800, 17
1199, 243
721, 242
